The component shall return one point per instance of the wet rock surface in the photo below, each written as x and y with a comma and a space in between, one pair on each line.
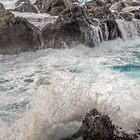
55, 7
17, 34
25, 6
88, 24
98, 126
72, 26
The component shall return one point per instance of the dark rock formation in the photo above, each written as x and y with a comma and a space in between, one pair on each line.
1, 7
93, 3
133, 3
101, 13
55, 7
72, 26
97, 126
112, 29
39, 4
17, 34
126, 16
25, 6
118, 6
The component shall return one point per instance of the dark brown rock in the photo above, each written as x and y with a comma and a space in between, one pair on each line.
113, 30
25, 6
137, 16
118, 6
72, 26
55, 7
126, 16
101, 13
98, 126
17, 34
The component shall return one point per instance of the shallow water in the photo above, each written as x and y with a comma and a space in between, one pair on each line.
43, 94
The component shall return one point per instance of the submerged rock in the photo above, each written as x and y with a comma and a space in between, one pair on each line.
71, 27
97, 126
55, 7
17, 34
25, 6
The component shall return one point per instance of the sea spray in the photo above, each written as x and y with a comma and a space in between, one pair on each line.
64, 85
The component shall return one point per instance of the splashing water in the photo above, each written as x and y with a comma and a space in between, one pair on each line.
43, 94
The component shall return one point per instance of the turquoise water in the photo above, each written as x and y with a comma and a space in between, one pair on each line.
83, 1
132, 68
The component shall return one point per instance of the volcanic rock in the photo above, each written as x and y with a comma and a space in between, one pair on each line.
97, 126
25, 6
72, 26
17, 34
55, 7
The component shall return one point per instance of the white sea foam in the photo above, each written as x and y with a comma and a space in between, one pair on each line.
45, 93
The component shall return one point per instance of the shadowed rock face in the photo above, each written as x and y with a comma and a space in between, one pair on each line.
25, 6
97, 126
72, 26
55, 7
17, 34
1, 7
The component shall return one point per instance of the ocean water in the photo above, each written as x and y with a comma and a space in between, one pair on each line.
44, 94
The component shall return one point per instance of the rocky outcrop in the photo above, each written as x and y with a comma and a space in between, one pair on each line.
118, 6
1, 7
75, 26
25, 6
101, 13
71, 27
55, 7
88, 24
97, 126
17, 34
